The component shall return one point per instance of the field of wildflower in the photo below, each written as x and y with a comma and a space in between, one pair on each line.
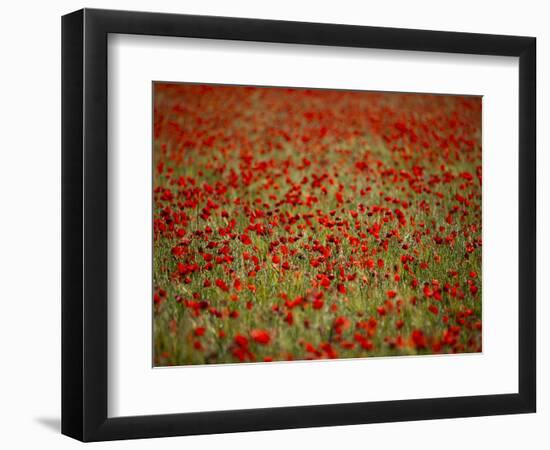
294, 224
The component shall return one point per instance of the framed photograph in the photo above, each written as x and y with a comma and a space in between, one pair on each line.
273, 224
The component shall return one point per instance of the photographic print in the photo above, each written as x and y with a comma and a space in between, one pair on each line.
301, 224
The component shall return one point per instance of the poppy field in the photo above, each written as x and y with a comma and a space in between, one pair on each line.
298, 224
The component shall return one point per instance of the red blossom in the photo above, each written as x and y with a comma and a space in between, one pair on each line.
260, 336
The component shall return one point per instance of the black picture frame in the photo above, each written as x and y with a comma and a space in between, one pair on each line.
84, 224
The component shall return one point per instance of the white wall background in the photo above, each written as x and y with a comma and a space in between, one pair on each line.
30, 223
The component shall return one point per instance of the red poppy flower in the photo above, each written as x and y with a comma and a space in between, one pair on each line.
221, 284
260, 336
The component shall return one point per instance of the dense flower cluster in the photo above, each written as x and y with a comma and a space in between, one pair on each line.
308, 224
